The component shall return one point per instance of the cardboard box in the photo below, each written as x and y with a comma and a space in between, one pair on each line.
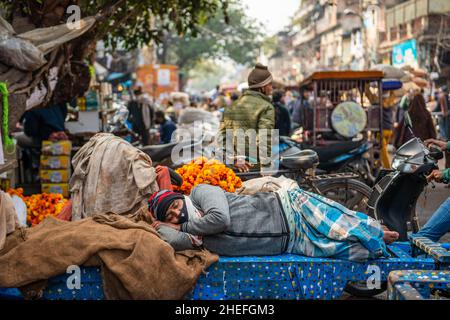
55, 162
61, 188
55, 176
57, 148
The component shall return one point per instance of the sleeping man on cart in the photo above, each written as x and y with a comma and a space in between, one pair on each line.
287, 221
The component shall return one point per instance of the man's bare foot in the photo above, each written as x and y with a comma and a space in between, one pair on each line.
390, 236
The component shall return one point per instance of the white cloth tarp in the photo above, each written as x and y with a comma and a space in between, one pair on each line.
266, 184
197, 124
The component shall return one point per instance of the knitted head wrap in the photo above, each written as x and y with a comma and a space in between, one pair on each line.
259, 77
160, 201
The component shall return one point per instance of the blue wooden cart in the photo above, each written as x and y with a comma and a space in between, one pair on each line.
275, 277
421, 284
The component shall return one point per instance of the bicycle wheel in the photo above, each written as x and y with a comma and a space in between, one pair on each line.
351, 193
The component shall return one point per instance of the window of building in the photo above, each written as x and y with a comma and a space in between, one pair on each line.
394, 35
402, 30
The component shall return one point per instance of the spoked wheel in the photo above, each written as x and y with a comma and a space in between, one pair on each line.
354, 195
351, 193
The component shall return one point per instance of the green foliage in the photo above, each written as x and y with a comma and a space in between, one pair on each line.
239, 40
270, 45
129, 22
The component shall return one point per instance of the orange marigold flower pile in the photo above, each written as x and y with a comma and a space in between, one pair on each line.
213, 172
40, 206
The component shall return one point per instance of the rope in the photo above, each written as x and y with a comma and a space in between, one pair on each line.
92, 71
9, 143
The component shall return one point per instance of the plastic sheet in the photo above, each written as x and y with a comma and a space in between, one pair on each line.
26, 51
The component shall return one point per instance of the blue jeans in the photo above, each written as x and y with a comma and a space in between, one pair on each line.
443, 127
439, 223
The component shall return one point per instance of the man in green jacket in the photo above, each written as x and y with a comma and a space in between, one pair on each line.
252, 116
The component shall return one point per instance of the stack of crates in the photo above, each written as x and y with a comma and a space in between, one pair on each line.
55, 167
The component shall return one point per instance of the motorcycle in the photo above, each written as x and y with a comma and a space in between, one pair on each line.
341, 156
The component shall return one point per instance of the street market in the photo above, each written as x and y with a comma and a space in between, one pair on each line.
160, 150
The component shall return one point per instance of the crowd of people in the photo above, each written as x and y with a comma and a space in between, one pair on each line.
292, 110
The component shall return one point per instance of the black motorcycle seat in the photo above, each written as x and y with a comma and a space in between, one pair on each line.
328, 150
301, 159
158, 152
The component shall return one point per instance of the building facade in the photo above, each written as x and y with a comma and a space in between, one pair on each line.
357, 34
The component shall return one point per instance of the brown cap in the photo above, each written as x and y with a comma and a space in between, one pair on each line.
259, 77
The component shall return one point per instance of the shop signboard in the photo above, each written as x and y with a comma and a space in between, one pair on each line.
158, 80
405, 54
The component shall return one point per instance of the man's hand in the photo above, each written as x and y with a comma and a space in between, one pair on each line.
158, 224
436, 175
243, 166
441, 144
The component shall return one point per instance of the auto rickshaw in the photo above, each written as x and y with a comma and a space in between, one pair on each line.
343, 120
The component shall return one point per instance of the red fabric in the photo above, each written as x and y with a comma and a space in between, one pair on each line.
66, 212
163, 178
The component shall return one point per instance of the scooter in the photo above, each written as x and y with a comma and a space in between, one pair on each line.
394, 196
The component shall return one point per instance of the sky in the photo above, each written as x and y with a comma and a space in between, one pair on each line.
273, 14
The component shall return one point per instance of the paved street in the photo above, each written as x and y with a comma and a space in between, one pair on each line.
430, 200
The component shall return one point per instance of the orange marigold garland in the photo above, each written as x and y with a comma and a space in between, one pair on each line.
40, 206
213, 172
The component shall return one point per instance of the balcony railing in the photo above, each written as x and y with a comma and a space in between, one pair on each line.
414, 9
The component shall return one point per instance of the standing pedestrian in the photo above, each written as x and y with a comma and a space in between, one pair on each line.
141, 114
166, 126
302, 111
422, 122
388, 129
442, 107
282, 116
252, 111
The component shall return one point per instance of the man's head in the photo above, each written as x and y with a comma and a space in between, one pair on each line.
278, 96
168, 206
306, 94
260, 79
137, 90
160, 117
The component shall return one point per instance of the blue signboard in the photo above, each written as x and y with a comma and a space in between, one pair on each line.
405, 53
